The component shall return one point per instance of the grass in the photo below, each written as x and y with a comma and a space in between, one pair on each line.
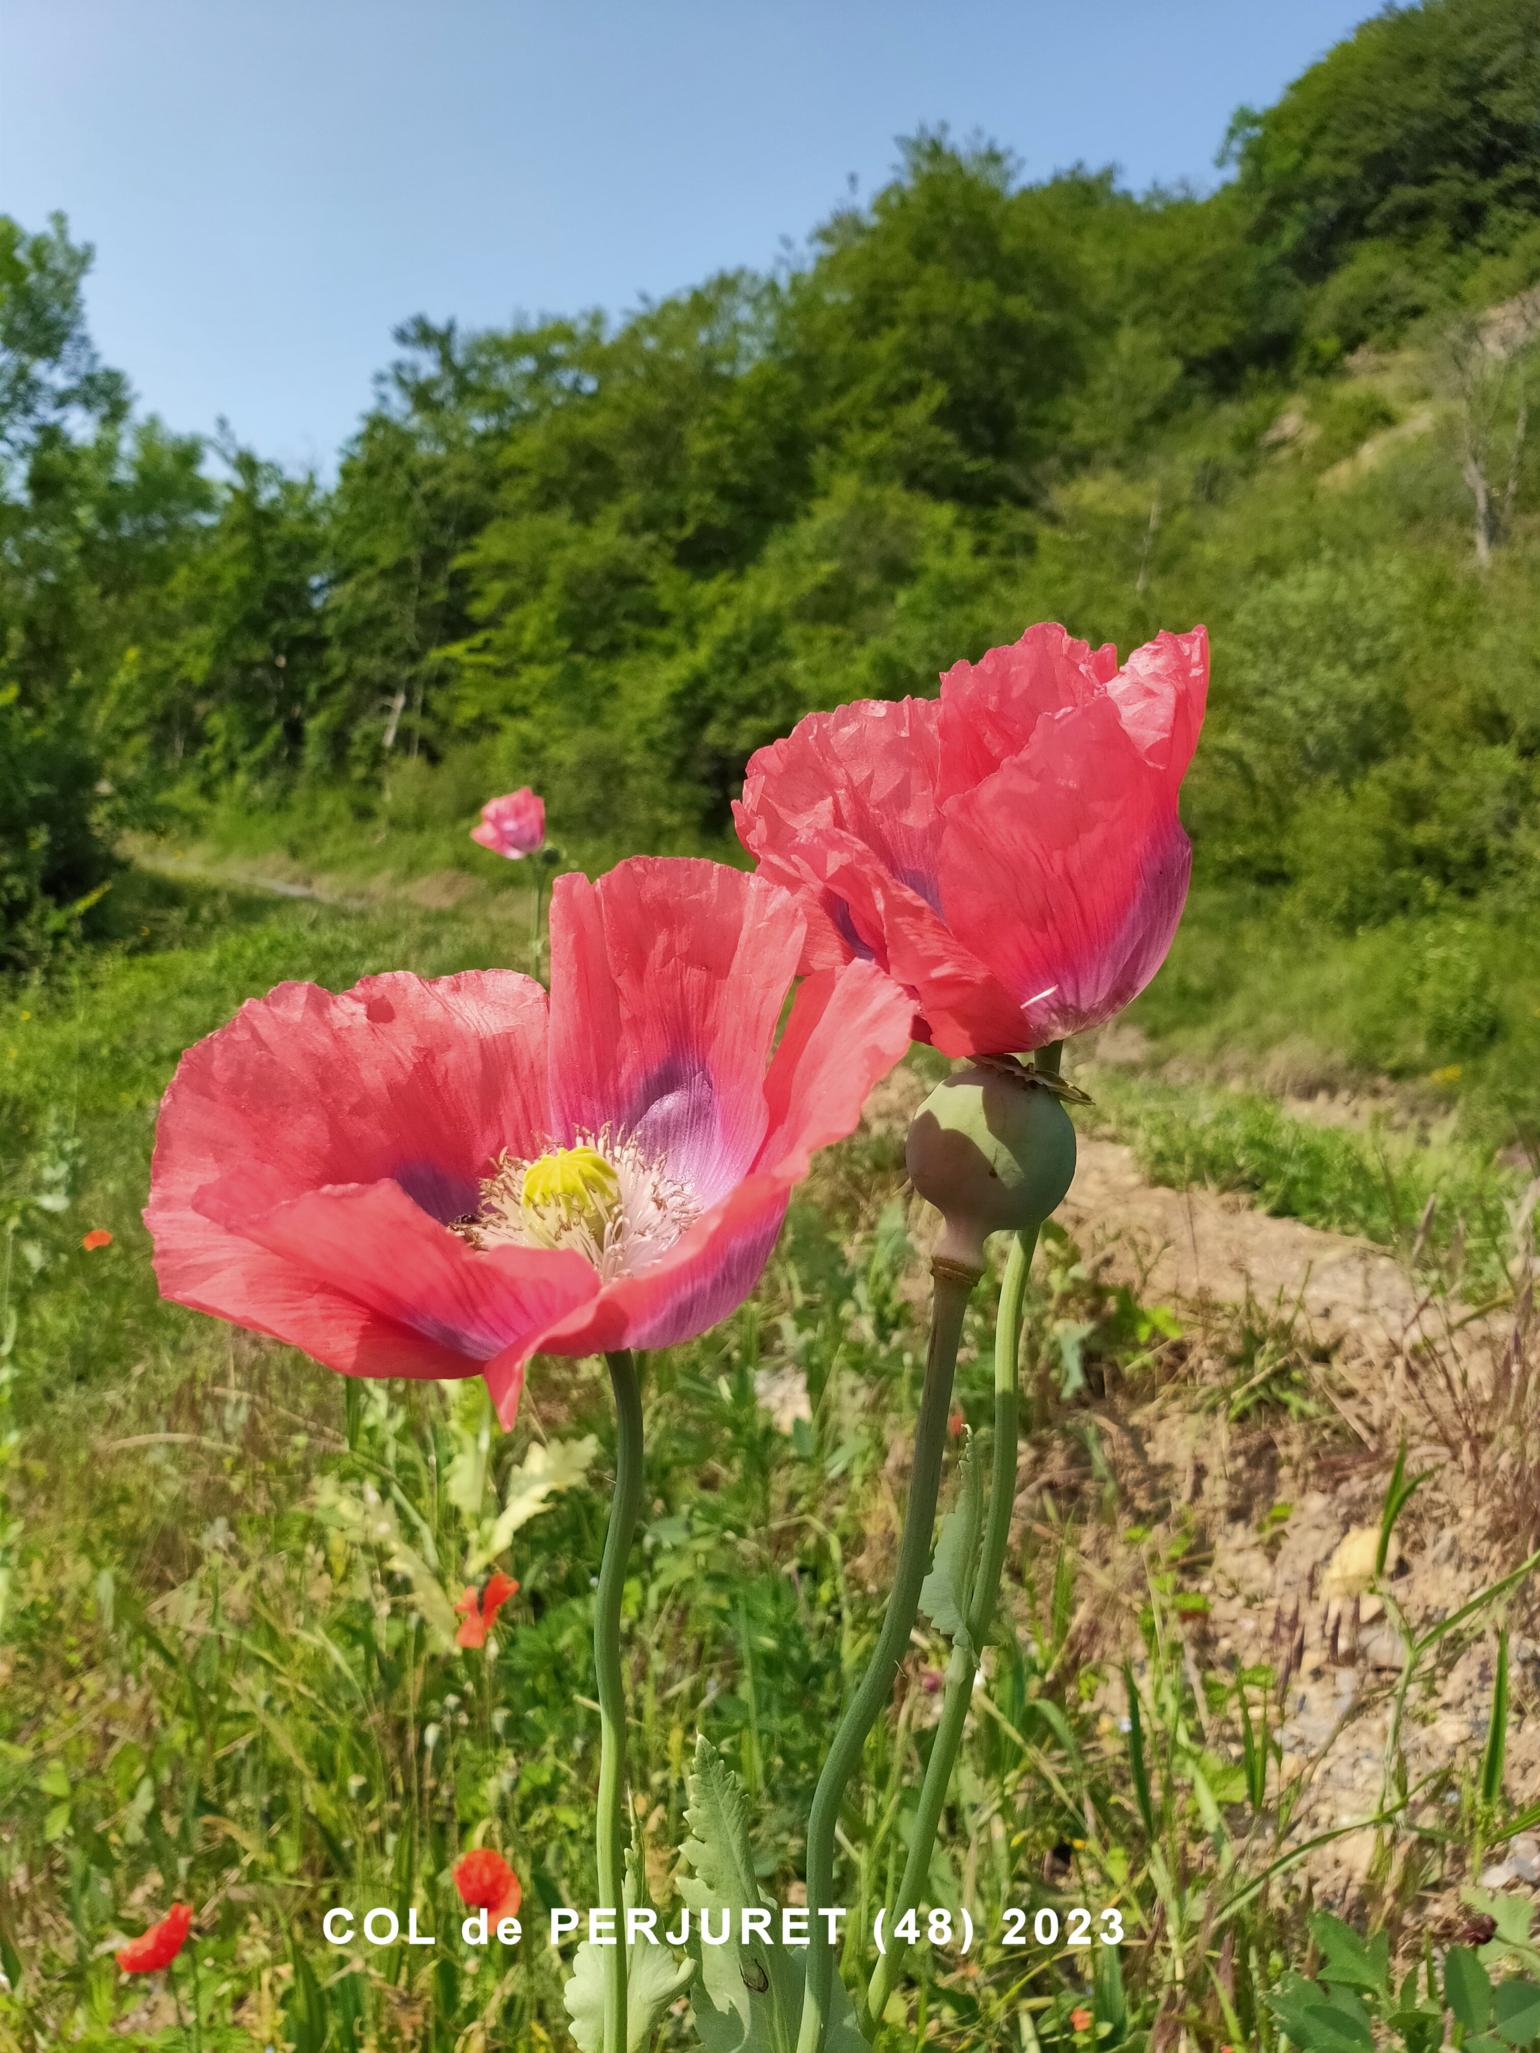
417, 825
1437, 1010
225, 1669
1441, 1007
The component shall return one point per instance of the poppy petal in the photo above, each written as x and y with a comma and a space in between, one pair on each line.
1067, 871
159, 1946
370, 1246
485, 1881
865, 775
1161, 694
990, 709
499, 1589
667, 979
423, 1081
945, 844
847, 1028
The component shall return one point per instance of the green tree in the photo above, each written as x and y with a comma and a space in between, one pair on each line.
95, 513
229, 689
1422, 129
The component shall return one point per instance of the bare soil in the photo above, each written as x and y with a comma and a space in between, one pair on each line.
1274, 1516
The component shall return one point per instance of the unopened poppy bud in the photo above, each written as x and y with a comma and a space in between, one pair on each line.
994, 1151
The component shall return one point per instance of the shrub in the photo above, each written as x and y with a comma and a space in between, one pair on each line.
55, 863
1450, 990
1371, 298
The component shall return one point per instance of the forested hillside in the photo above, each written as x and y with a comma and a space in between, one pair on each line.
611, 556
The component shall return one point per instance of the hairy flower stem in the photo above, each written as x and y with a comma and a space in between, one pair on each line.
611, 1842
969, 1644
953, 1286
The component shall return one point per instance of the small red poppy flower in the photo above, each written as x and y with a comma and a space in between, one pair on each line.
480, 1613
159, 1946
1080, 2020
97, 1237
513, 825
486, 1882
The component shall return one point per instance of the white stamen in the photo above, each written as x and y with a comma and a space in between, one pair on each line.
652, 1210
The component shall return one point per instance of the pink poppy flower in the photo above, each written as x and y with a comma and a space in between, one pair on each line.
440, 1178
513, 825
1010, 852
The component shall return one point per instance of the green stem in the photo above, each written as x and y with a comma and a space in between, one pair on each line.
953, 1286
176, 2004
624, 1512
537, 883
197, 1996
969, 1644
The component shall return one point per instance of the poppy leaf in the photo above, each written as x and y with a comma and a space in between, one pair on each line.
544, 1472
1516, 2012
748, 1994
947, 1591
655, 1979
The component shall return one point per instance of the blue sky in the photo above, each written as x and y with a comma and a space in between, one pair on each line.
272, 184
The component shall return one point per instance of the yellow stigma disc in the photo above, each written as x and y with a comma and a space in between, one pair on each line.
570, 1187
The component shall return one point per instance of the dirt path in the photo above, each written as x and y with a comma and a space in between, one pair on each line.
437, 891
1275, 1517
1202, 1248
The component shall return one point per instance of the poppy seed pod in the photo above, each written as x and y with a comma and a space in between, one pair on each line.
993, 1150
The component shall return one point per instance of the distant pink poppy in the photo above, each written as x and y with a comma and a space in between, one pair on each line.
513, 825
443, 1178
1010, 852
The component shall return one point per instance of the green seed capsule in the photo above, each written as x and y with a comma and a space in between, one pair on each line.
994, 1152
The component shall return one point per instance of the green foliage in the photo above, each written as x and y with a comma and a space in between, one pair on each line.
232, 690
612, 557
53, 857
1373, 297
1377, 140
1353, 1992
91, 508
